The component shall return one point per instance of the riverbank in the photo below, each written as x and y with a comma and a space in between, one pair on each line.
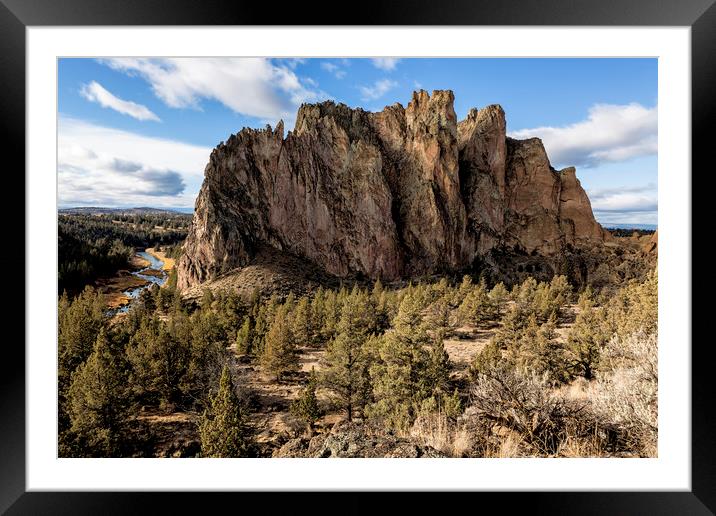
113, 289
161, 256
145, 269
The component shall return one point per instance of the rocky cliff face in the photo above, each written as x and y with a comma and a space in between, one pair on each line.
392, 194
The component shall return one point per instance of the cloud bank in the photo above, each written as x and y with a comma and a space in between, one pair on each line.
254, 87
611, 133
95, 92
638, 204
108, 167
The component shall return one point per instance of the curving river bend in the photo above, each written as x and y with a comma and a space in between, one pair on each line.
155, 264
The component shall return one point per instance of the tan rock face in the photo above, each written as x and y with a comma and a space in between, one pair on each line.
391, 194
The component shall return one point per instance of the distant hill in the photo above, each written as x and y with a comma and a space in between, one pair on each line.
95, 210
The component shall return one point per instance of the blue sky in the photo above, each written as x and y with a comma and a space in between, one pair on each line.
139, 131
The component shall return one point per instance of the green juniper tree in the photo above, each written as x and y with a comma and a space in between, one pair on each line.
98, 400
79, 323
279, 355
158, 362
586, 338
346, 359
303, 323
223, 429
400, 376
244, 338
476, 307
499, 296
305, 407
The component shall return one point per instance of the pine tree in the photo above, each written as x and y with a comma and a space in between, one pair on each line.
635, 307
159, 362
524, 296
463, 290
488, 359
331, 315
509, 333
223, 428
79, 323
98, 400
279, 355
318, 312
499, 296
305, 407
476, 307
560, 292
230, 311
401, 379
586, 338
265, 314
439, 319
206, 354
438, 366
345, 360
303, 323
244, 338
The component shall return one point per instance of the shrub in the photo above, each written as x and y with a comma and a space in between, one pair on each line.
521, 402
626, 393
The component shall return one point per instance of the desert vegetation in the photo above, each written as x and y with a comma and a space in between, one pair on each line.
438, 368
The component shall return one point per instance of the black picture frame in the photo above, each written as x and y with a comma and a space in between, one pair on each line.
16, 15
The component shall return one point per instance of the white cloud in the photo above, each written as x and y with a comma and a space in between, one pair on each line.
636, 205
250, 86
377, 90
109, 167
626, 202
333, 69
94, 92
385, 63
627, 217
610, 133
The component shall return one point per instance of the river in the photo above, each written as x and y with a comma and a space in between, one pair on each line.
154, 263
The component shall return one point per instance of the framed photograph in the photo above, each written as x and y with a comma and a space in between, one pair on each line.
442, 248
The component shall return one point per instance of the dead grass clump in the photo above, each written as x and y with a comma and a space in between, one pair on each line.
440, 432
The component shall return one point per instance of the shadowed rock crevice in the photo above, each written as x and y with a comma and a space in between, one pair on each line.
393, 194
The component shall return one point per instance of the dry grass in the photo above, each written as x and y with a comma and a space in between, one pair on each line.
466, 342
439, 432
160, 255
511, 446
113, 288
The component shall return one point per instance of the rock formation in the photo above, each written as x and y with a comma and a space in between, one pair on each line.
393, 194
351, 440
